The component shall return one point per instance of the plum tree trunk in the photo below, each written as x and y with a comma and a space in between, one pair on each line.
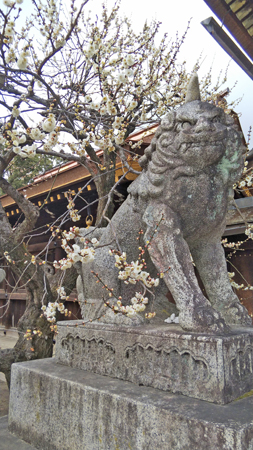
35, 348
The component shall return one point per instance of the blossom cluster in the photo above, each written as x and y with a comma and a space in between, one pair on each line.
74, 252
17, 140
111, 76
36, 134
75, 217
139, 303
10, 3
249, 231
246, 179
50, 310
232, 245
49, 124
7, 257
132, 273
22, 62
28, 151
238, 286
29, 334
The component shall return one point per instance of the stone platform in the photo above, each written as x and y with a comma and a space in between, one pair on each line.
55, 407
209, 367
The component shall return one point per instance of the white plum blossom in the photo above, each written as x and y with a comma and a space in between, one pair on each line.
60, 43
74, 252
76, 248
129, 72
28, 151
71, 234
132, 105
91, 50
36, 134
10, 57
15, 112
87, 254
50, 310
122, 78
73, 212
94, 105
87, 99
114, 59
103, 110
23, 60
132, 273
117, 122
249, 231
119, 139
94, 242
8, 32
53, 139
22, 139
8, 3
17, 140
49, 124
129, 60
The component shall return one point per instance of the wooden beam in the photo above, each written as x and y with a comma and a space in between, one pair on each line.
233, 24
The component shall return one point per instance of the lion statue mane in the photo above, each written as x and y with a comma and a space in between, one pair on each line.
185, 186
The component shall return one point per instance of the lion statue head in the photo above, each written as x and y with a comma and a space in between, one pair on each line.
190, 142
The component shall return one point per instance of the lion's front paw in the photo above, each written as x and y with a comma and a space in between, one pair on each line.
203, 319
236, 313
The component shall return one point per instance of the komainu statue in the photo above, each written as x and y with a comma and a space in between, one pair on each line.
185, 186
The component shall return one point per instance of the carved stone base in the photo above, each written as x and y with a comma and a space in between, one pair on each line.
55, 407
215, 368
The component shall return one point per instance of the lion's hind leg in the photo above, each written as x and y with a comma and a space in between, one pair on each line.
211, 264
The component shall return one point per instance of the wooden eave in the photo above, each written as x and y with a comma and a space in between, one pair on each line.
238, 28
62, 177
52, 180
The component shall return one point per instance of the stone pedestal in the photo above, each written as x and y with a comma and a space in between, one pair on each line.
215, 368
111, 388
55, 407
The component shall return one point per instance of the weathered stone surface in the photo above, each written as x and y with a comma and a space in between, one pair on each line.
214, 368
55, 407
183, 193
8, 441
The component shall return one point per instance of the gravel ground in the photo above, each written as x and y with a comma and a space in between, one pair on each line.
7, 340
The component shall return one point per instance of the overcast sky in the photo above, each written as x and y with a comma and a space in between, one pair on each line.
174, 15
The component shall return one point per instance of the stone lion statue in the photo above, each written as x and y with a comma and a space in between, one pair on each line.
188, 173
